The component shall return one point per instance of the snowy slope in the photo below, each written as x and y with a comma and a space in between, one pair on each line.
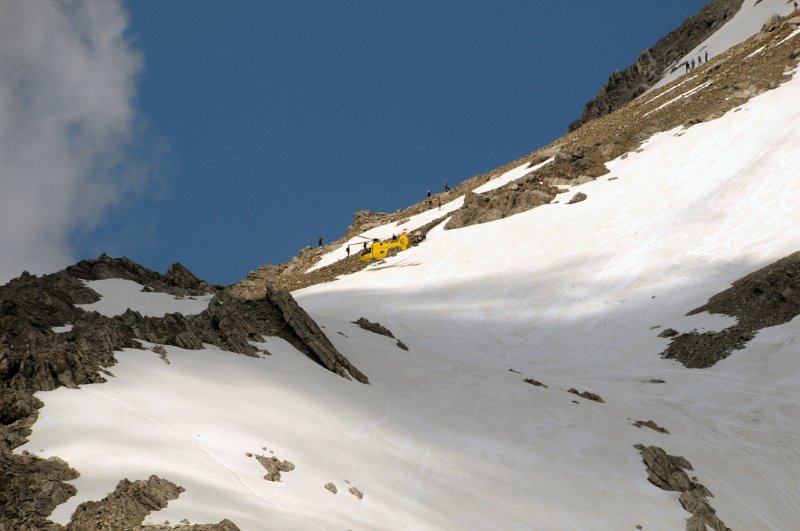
384, 232
445, 436
746, 23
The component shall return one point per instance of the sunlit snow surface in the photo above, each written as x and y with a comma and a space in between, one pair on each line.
117, 295
445, 436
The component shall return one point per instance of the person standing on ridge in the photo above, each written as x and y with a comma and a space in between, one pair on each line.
692, 64
429, 194
687, 66
320, 241
446, 187
707, 50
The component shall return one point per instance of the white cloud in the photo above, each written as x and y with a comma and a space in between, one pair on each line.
67, 91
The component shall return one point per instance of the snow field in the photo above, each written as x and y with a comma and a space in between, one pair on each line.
117, 295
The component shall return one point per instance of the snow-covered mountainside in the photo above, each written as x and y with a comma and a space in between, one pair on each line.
746, 23
718, 26
537, 372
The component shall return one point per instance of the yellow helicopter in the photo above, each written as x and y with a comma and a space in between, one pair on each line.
378, 250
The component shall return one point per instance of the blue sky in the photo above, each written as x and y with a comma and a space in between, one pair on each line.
261, 125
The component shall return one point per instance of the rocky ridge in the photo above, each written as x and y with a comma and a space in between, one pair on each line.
624, 86
33, 357
725, 82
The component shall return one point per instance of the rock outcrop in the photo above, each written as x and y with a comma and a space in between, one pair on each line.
764, 298
127, 506
319, 346
588, 395
30, 488
274, 467
34, 357
375, 328
668, 472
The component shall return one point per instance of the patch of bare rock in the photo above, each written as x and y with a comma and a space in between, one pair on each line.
31, 488
379, 329
668, 472
764, 298
577, 198
375, 328
129, 505
519, 196
534, 382
274, 466
650, 424
587, 395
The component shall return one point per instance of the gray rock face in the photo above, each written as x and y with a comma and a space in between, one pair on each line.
365, 220
319, 346
274, 467
177, 275
624, 86
30, 488
668, 332
577, 198
127, 506
667, 472
499, 204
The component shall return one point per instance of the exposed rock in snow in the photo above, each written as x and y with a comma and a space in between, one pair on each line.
377, 328
31, 489
667, 472
129, 505
310, 334
764, 298
586, 394
274, 467
534, 382
577, 198
650, 424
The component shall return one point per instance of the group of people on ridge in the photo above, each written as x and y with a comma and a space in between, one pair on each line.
690, 65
